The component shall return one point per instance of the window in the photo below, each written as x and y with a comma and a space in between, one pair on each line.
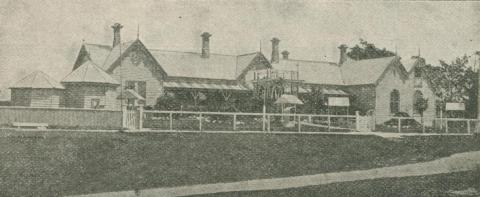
95, 103
394, 101
138, 86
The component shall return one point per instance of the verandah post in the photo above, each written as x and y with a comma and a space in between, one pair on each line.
446, 125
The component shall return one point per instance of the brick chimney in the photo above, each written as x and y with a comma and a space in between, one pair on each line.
275, 51
343, 54
116, 33
285, 55
206, 44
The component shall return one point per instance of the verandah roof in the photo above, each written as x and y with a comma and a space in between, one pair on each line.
197, 85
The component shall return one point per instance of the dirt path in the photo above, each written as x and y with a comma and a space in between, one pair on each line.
455, 163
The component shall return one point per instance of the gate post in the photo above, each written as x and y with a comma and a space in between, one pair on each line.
140, 118
124, 116
357, 120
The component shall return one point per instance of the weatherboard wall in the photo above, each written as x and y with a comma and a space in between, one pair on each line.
52, 98
145, 70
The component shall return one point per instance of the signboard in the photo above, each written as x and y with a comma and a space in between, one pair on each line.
338, 101
455, 106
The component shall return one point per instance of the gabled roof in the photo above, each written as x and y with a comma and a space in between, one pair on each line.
38, 80
98, 53
367, 71
314, 72
179, 64
115, 54
191, 64
88, 72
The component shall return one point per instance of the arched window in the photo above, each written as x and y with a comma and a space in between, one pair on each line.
394, 101
416, 97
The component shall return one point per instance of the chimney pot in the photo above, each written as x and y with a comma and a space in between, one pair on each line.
275, 50
116, 33
205, 44
285, 55
343, 53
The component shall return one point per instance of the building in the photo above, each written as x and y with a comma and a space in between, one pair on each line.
134, 75
37, 90
380, 86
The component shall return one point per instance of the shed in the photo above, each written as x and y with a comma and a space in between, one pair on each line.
89, 86
37, 90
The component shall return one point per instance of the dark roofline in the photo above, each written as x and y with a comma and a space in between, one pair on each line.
311, 61
173, 51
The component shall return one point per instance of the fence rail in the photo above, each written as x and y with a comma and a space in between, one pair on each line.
229, 121
425, 124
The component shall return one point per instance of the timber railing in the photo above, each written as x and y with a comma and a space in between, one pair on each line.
425, 125
233, 121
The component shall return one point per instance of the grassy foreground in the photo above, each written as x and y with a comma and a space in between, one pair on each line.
61, 163
431, 186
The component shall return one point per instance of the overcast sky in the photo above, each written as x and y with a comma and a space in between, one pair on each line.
46, 34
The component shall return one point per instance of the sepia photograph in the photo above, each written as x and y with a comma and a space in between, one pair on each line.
241, 98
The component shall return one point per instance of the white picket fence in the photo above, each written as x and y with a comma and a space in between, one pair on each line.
232, 121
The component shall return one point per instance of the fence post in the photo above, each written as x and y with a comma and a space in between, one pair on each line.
200, 123
171, 121
446, 126
124, 116
268, 123
357, 120
468, 126
328, 120
310, 118
140, 120
399, 125
423, 126
299, 124
234, 122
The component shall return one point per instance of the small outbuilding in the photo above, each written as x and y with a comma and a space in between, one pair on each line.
90, 87
37, 90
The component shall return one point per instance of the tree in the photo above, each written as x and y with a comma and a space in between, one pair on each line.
454, 82
368, 50
421, 105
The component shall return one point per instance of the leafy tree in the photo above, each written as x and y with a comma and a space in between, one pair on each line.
366, 50
454, 82
421, 105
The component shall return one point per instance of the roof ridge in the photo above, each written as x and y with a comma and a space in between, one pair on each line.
256, 52
315, 61
175, 51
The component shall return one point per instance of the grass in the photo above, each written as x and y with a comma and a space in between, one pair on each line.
431, 186
58, 163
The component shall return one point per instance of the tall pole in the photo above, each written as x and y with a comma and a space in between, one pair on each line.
121, 85
477, 53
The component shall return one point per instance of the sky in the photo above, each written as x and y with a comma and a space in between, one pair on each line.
47, 34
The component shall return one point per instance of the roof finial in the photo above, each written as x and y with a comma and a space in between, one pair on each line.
138, 31
418, 51
83, 41
260, 46
396, 54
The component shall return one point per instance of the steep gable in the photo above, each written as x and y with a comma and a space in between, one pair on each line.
368, 71
94, 52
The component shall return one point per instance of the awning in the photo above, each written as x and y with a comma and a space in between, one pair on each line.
289, 99
332, 92
196, 85
338, 101
131, 94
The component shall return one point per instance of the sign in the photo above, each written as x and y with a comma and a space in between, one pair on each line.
455, 106
338, 101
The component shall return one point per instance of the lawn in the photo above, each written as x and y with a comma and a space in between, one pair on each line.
61, 163
431, 186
